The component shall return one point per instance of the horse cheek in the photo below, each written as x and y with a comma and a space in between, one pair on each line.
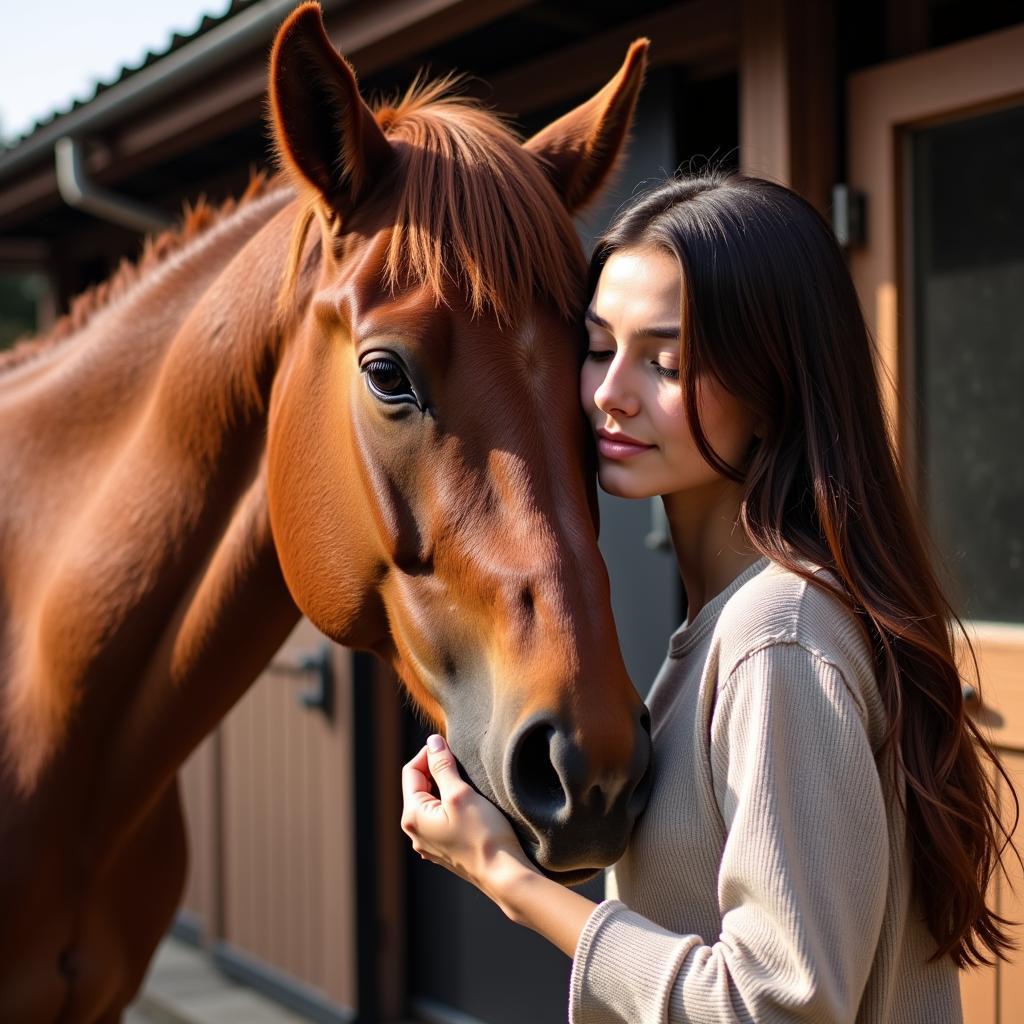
318, 521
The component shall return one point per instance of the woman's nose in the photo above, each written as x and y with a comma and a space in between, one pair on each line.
615, 394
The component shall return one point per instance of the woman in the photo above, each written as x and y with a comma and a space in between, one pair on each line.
821, 831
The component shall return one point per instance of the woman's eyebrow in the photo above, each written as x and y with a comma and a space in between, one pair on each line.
671, 333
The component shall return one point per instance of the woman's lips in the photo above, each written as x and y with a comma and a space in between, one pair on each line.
620, 446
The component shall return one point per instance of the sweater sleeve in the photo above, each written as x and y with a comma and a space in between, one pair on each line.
803, 877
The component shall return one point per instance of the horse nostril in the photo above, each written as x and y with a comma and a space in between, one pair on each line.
569, 805
536, 785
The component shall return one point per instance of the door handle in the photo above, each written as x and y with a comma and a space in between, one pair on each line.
319, 696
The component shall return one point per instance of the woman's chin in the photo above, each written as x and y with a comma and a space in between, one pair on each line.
613, 481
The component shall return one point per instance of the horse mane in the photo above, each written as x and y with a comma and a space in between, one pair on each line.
196, 220
476, 210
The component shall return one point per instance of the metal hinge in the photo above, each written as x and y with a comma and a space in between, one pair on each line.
318, 663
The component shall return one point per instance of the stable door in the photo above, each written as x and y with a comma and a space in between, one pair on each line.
937, 152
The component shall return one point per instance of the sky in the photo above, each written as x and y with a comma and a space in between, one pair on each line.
53, 51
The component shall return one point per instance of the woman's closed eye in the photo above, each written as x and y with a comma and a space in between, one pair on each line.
605, 355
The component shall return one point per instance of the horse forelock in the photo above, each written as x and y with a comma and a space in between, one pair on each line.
473, 210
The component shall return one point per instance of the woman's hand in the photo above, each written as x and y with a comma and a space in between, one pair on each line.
459, 829
467, 834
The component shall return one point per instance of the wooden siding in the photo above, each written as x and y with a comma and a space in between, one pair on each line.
269, 804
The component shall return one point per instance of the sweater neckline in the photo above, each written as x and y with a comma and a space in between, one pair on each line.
690, 633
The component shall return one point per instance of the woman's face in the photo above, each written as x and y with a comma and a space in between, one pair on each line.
630, 386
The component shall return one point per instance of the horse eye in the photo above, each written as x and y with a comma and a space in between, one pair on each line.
387, 380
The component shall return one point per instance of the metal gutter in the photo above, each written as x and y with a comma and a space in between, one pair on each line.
78, 191
238, 36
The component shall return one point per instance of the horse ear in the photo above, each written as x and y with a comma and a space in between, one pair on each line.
323, 130
581, 148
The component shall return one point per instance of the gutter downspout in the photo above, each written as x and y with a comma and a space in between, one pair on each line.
78, 191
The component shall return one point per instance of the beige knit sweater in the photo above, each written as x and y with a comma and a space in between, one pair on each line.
769, 878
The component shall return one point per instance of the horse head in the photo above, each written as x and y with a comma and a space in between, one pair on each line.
430, 474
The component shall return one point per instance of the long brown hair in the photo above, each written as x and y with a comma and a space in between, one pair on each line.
769, 310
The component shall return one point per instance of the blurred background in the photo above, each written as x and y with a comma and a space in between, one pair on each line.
901, 120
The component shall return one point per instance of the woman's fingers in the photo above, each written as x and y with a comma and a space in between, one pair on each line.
459, 829
442, 766
421, 808
417, 792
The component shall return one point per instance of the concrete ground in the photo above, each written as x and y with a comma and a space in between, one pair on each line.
182, 987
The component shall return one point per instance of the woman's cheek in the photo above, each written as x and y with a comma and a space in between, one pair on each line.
671, 414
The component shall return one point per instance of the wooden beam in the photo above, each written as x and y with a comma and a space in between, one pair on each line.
906, 28
695, 32
30, 253
765, 124
24, 199
549, 16
372, 37
789, 94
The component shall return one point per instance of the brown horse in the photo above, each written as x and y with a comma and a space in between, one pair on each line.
352, 394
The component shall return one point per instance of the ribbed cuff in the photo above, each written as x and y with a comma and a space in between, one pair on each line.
624, 968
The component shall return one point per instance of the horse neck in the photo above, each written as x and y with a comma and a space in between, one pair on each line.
147, 589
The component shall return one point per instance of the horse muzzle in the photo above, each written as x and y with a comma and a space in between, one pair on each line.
571, 817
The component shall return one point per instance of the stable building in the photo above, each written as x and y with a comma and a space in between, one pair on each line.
901, 120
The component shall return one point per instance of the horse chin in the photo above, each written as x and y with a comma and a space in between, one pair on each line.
576, 876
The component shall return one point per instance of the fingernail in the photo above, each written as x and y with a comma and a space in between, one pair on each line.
435, 743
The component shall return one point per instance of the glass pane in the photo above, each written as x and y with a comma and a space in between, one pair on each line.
968, 260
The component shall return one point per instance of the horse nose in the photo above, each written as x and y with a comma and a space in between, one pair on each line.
577, 814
